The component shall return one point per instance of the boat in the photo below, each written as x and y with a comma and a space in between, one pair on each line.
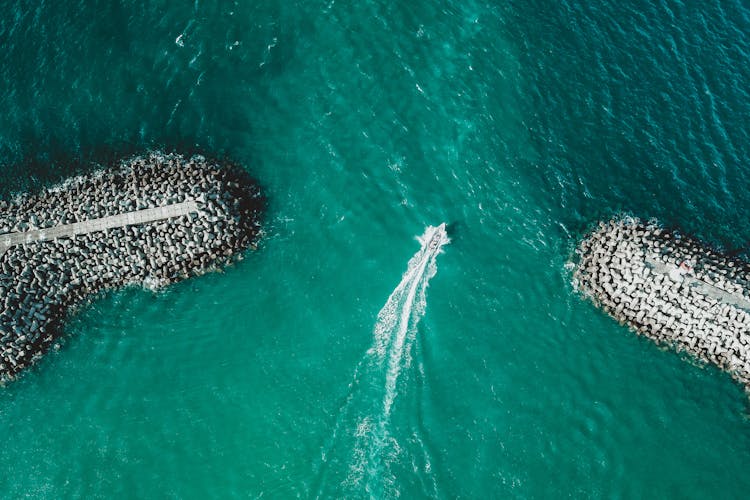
437, 238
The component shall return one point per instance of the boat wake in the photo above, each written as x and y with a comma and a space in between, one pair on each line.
364, 419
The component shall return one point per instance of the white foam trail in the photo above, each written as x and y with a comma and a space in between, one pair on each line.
389, 316
393, 336
365, 415
398, 345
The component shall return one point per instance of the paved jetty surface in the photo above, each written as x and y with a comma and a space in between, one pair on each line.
90, 226
670, 288
706, 289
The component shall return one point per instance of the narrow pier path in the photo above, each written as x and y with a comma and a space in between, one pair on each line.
132, 218
708, 290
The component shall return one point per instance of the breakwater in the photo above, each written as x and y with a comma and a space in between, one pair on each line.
670, 288
149, 221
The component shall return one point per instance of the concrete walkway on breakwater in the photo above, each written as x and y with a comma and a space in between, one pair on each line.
90, 226
701, 286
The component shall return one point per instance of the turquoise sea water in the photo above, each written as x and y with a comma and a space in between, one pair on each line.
518, 123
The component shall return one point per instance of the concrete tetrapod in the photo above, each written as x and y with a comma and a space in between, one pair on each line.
149, 221
670, 288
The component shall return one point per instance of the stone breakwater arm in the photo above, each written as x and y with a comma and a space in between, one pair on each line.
135, 217
151, 220
671, 289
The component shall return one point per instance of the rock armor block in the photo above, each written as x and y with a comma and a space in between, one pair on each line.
150, 221
670, 288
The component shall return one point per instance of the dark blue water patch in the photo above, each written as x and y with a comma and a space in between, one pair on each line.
640, 107
98, 81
